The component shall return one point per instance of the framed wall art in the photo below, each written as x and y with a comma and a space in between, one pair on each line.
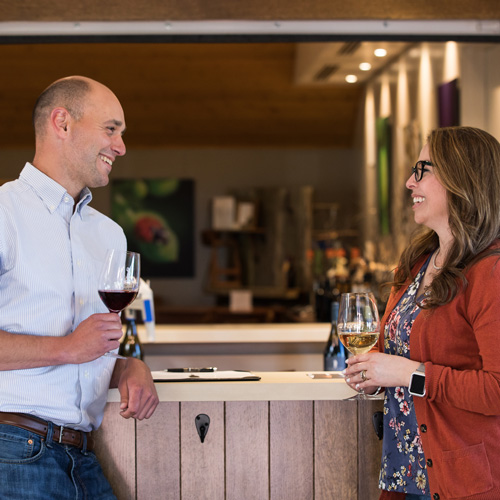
157, 216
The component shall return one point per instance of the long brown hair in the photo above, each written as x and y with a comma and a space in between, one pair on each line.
466, 161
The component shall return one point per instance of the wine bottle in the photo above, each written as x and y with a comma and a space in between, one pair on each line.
130, 345
334, 354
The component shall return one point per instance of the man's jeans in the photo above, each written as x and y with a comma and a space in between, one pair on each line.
32, 468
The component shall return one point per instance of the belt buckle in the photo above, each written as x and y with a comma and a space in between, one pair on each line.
61, 431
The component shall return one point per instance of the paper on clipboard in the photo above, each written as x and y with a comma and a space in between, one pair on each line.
217, 376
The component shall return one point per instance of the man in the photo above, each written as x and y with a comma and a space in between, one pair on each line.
54, 329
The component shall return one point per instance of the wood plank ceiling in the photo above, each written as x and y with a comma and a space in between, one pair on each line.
132, 10
186, 95
206, 94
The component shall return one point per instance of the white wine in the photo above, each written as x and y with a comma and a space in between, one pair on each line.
359, 343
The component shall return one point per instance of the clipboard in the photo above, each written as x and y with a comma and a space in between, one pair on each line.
215, 376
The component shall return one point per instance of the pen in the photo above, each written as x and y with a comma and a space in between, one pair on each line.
188, 370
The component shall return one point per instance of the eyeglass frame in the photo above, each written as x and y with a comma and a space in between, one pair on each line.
420, 167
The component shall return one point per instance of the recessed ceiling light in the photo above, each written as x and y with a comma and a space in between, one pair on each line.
365, 66
351, 78
380, 52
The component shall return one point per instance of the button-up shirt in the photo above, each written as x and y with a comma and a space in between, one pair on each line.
51, 254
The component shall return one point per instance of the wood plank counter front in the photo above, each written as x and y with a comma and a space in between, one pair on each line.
285, 437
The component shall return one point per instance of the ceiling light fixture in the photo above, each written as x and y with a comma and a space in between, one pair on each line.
351, 78
380, 52
365, 66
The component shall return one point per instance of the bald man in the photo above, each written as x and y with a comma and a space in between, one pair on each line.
54, 329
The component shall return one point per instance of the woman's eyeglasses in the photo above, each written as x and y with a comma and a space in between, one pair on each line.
419, 169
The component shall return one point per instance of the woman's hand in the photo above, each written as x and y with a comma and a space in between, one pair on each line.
380, 370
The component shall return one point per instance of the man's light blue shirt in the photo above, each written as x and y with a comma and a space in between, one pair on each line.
50, 259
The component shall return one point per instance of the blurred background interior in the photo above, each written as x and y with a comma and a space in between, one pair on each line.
264, 174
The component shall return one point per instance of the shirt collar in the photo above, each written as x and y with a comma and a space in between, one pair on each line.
50, 192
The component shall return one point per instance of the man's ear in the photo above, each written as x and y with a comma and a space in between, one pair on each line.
59, 121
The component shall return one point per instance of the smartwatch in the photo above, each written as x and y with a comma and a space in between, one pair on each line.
417, 382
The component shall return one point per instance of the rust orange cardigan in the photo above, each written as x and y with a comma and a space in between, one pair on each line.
459, 417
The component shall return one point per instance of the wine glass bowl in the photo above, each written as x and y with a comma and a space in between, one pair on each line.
119, 280
358, 321
117, 300
358, 341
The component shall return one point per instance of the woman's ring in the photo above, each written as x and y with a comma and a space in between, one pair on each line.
363, 376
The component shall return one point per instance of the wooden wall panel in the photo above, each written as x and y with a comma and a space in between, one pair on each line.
247, 450
336, 450
130, 10
158, 454
115, 449
291, 450
255, 450
202, 464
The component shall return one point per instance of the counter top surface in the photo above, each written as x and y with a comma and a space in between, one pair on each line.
237, 333
273, 386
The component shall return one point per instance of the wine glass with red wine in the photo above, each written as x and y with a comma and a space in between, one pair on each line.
119, 281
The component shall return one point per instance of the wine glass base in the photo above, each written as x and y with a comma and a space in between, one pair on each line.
361, 396
114, 355
357, 397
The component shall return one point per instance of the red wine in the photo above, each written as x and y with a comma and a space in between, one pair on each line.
117, 300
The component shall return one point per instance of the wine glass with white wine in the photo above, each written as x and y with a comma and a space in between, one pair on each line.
358, 323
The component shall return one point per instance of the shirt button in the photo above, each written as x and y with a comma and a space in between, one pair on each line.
423, 428
435, 496
429, 462
82, 302
66, 199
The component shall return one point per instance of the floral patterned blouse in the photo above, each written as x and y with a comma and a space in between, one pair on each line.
403, 463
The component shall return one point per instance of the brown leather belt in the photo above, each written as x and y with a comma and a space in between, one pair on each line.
62, 435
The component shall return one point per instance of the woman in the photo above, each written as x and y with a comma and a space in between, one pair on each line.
439, 356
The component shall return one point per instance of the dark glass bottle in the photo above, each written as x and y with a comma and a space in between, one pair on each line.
130, 345
334, 354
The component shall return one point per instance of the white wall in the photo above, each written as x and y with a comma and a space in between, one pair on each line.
480, 88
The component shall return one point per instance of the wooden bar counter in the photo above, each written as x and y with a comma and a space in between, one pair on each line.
284, 437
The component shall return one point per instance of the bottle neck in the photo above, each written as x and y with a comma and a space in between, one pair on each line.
131, 328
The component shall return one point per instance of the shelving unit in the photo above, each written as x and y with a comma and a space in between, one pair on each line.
258, 259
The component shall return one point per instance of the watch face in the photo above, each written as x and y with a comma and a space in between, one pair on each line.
417, 384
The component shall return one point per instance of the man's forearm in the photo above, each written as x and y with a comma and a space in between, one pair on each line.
21, 351
120, 366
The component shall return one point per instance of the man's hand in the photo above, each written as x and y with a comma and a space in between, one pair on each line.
137, 390
93, 337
